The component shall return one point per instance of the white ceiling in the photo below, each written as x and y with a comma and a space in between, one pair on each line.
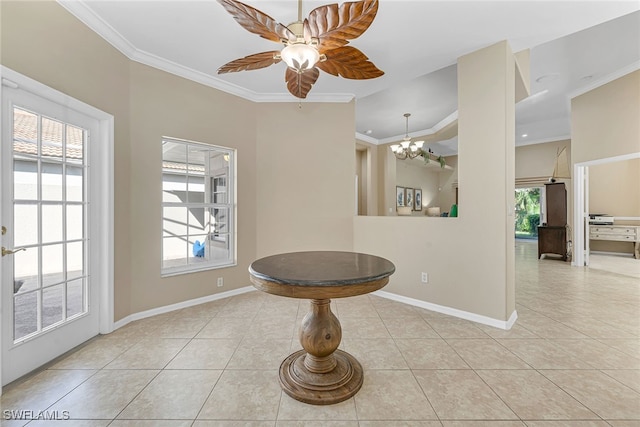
577, 44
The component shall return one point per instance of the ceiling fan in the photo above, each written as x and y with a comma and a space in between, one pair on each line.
317, 43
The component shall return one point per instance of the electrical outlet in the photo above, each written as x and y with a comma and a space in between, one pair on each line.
220, 282
425, 278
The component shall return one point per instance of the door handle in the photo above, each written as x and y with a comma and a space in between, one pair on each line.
6, 251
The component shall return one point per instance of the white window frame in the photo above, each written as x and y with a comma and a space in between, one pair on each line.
230, 205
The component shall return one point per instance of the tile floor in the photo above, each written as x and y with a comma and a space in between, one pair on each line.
626, 265
572, 359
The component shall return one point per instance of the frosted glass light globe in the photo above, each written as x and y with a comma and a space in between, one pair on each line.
300, 56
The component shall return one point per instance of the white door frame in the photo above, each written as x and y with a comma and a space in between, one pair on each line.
581, 205
104, 142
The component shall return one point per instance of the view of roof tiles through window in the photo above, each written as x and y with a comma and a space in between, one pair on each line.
54, 136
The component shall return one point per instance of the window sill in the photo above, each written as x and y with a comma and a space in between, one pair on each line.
177, 271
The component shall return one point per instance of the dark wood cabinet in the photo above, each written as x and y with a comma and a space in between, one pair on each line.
556, 196
552, 237
552, 240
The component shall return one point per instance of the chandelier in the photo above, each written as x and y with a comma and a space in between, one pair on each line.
407, 149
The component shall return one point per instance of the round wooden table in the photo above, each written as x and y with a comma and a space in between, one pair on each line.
320, 374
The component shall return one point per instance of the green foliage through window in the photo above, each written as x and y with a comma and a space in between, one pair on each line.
527, 203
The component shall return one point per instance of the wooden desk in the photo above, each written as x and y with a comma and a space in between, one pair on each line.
320, 374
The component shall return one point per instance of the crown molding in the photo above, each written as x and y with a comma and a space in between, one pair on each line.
208, 80
445, 122
634, 66
87, 16
426, 132
544, 140
367, 138
623, 157
341, 98
454, 116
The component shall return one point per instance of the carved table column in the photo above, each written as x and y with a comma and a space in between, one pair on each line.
320, 374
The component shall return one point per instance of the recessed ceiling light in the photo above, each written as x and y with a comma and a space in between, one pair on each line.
524, 135
547, 77
368, 131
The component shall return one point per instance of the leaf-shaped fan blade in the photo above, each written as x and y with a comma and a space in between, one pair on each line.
251, 62
306, 31
350, 63
257, 22
334, 25
299, 84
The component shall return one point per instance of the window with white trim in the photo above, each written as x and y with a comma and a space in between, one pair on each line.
198, 230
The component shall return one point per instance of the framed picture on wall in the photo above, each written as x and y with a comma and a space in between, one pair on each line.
400, 197
408, 197
417, 199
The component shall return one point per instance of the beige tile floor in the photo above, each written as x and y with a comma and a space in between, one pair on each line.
572, 359
623, 264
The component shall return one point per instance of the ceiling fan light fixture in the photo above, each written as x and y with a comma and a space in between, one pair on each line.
317, 43
300, 56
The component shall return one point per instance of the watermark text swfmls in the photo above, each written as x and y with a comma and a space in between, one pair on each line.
28, 414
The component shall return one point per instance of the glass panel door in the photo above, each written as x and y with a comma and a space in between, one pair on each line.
50, 299
49, 232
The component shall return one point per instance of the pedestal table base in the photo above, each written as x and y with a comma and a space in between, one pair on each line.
328, 388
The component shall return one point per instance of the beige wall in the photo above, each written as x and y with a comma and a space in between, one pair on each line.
614, 189
469, 259
387, 175
448, 182
44, 42
288, 204
534, 161
410, 175
165, 105
361, 174
486, 136
537, 160
306, 185
438, 185
305, 170
604, 123
367, 170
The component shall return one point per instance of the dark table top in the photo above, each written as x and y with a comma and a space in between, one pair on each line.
321, 268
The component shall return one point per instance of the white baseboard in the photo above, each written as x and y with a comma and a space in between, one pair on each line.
501, 324
177, 306
620, 254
